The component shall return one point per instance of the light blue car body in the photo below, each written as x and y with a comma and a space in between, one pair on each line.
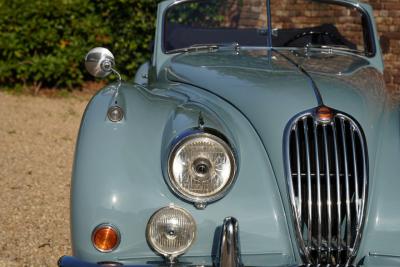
120, 168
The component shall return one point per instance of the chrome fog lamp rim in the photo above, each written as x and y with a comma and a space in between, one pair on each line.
201, 202
170, 256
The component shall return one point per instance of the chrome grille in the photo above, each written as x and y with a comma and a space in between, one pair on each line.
327, 178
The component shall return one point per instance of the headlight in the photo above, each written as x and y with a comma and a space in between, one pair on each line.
171, 231
201, 168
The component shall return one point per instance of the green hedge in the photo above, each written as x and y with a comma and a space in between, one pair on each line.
43, 42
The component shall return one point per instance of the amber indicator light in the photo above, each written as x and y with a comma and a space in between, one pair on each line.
105, 238
324, 114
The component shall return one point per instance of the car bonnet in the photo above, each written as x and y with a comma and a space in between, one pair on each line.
271, 87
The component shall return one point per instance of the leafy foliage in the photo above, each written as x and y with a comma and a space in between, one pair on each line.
43, 42
197, 14
203, 14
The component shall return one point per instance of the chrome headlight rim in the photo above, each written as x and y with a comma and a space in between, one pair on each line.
201, 202
176, 254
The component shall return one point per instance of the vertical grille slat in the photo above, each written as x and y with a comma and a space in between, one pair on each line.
338, 194
299, 180
353, 145
328, 186
319, 202
309, 187
347, 185
363, 199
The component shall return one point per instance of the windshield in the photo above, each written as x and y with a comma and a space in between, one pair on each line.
295, 23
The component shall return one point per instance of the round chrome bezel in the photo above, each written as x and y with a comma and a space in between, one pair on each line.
113, 108
201, 202
170, 256
106, 225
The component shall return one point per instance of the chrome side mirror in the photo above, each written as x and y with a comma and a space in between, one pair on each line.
99, 62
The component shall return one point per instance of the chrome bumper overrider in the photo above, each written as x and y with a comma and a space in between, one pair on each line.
229, 246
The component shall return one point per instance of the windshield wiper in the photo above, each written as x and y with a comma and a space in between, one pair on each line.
330, 48
204, 47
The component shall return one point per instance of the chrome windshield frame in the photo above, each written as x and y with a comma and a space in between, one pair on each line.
370, 49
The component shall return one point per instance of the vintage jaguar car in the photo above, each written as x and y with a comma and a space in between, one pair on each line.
260, 133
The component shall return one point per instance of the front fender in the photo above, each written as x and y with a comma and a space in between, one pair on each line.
118, 177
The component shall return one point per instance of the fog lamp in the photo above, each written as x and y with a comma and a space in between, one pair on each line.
171, 231
105, 238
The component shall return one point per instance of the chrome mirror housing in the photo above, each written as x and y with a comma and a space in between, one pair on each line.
99, 62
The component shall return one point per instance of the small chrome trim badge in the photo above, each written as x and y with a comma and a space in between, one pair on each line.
324, 114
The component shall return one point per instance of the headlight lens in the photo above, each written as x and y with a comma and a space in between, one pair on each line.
171, 231
201, 167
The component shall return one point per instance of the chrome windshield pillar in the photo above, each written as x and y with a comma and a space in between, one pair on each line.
229, 246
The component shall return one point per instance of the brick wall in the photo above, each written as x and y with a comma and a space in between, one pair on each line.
387, 15
289, 14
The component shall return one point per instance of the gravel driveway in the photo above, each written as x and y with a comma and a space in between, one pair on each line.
37, 139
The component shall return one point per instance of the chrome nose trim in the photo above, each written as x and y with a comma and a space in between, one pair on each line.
229, 245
